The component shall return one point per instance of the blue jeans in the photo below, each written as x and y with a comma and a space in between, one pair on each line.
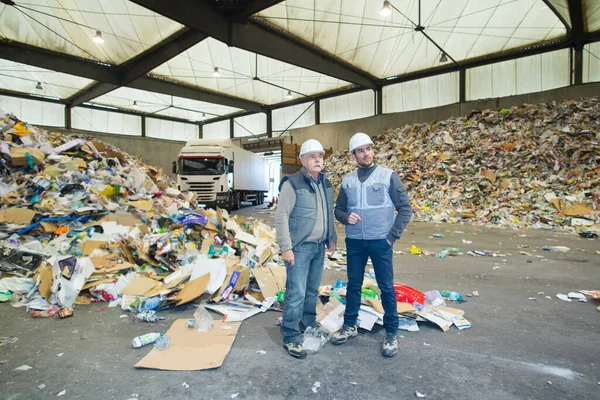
381, 255
302, 290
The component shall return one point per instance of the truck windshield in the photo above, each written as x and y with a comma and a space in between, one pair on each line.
202, 166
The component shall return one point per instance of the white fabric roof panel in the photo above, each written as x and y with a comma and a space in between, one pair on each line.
422, 93
34, 111
106, 121
250, 125
24, 78
216, 130
562, 7
524, 75
348, 106
127, 28
591, 15
389, 46
238, 68
160, 104
170, 130
591, 63
297, 116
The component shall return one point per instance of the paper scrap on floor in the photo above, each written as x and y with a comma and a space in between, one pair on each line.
191, 350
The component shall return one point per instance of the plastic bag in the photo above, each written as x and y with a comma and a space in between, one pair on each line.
407, 294
204, 321
315, 338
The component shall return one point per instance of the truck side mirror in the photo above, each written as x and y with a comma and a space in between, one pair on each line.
230, 166
174, 167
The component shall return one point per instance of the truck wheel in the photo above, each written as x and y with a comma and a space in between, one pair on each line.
261, 198
229, 203
237, 203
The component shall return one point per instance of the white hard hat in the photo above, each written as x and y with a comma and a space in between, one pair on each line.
311, 146
359, 139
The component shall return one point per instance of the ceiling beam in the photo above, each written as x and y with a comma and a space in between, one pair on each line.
142, 64
577, 23
171, 88
56, 61
257, 37
256, 6
20, 95
529, 50
76, 66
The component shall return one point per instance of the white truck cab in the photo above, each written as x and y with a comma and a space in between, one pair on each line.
221, 173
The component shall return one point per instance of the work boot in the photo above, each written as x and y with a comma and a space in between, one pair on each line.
390, 345
346, 332
295, 349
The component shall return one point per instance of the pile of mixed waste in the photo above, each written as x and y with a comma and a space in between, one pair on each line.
531, 166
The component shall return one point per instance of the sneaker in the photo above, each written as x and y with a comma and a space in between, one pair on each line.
345, 333
295, 349
390, 345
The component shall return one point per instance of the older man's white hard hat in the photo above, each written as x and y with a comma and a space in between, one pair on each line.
311, 146
359, 139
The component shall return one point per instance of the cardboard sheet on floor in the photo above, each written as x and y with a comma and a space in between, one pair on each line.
191, 350
270, 280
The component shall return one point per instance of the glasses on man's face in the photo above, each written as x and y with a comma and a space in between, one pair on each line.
316, 157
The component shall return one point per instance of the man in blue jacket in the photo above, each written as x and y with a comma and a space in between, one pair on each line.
366, 204
305, 226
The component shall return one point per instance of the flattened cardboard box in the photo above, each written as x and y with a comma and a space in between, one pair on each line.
270, 280
193, 289
19, 158
191, 350
21, 216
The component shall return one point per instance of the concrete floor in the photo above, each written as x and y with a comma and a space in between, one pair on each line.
514, 349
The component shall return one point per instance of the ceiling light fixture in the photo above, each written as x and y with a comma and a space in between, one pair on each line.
216, 72
134, 105
289, 95
98, 37
386, 10
39, 86
443, 58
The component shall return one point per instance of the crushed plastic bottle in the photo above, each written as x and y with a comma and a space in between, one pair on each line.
146, 339
315, 338
162, 343
204, 321
453, 296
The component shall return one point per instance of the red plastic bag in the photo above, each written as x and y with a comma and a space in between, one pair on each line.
407, 294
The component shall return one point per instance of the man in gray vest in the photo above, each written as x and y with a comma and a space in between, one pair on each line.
305, 226
366, 204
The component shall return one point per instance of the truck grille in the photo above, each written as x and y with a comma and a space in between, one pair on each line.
205, 191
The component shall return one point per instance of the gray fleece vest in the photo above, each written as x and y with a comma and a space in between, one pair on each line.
304, 215
371, 201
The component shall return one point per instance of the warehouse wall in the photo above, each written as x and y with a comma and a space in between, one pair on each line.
337, 134
159, 153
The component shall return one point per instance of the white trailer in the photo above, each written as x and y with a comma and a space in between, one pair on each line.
221, 173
